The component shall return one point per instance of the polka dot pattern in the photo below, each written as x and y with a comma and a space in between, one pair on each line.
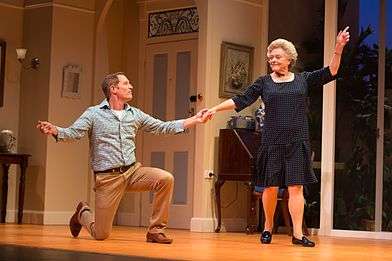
284, 156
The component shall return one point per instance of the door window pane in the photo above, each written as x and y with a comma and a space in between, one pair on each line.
157, 161
180, 174
160, 86
356, 118
183, 81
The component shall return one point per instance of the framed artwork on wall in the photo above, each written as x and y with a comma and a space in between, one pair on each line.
236, 68
2, 71
71, 81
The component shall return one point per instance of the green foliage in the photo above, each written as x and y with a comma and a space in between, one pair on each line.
357, 96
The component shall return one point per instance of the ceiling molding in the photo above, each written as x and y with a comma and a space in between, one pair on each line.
49, 4
11, 6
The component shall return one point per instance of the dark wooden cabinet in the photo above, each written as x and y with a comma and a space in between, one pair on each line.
237, 153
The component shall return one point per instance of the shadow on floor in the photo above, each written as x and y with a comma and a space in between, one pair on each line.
14, 252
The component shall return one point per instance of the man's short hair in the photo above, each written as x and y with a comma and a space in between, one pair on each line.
108, 81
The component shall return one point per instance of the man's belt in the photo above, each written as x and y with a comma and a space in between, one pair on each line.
121, 169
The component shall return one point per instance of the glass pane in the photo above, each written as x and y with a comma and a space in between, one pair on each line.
387, 185
181, 177
306, 31
356, 118
183, 80
160, 86
157, 161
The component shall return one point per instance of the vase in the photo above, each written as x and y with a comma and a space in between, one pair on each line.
7, 141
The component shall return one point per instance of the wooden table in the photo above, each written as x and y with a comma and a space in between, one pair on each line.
6, 159
237, 153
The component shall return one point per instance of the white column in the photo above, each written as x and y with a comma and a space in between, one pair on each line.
328, 124
380, 118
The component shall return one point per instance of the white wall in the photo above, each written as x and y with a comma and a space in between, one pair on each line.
11, 31
67, 168
237, 22
57, 176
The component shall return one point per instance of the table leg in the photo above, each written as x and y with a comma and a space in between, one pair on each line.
5, 192
218, 185
251, 219
21, 192
260, 226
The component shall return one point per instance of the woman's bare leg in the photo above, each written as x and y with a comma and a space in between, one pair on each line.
270, 196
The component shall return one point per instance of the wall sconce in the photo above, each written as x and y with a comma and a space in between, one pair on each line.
21, 55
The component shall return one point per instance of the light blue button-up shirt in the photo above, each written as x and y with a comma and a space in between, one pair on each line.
112, 141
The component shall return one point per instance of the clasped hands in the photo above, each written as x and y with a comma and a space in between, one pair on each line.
204, 115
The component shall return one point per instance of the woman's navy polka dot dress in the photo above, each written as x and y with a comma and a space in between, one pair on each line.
284, 156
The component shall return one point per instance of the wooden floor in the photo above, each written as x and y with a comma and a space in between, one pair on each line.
197, 246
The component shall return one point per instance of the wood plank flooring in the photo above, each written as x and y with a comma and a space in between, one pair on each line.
196, 246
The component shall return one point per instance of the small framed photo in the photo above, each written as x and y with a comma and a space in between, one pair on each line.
2, 71
236, 68
71, 81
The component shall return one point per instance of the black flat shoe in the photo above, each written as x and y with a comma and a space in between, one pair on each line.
304, 242
266, 237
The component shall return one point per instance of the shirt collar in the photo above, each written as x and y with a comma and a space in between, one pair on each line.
105, 105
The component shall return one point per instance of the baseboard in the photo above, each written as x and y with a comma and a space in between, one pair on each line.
209, 224
33, 217
127, 219
361, 234
203, 224
57, 217
10, 216
313, 231
29, 217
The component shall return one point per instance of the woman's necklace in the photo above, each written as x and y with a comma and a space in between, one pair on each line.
283, 78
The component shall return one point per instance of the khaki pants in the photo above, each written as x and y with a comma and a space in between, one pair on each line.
110, 188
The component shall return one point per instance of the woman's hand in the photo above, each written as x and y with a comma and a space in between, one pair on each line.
200, 116
209, 114
342, 38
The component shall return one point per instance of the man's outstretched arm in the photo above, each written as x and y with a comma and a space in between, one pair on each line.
76, 131
156, 126
47, 128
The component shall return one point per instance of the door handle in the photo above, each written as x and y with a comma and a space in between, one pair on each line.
195, 98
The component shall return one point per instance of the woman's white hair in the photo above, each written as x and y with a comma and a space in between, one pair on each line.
287, 46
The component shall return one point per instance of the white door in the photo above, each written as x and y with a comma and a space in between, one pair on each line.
170, 74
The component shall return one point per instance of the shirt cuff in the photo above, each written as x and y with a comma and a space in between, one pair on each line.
329, 74
180, 126
60, 134
239, 105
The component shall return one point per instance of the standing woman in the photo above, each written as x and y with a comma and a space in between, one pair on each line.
284, 158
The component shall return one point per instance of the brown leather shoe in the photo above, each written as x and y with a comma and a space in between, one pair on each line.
74, 224
160, 238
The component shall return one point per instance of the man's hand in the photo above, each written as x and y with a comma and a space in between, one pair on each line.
47, 128
208, 115
199, 117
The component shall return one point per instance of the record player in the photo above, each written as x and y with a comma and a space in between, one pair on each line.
241, 122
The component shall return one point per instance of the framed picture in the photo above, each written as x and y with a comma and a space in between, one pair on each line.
2, 71
236, 67
71, 81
